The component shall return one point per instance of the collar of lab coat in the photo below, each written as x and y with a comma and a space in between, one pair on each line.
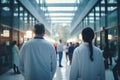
38, 37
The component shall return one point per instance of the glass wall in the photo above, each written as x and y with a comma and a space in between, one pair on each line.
15, 20
104, 19
112, 40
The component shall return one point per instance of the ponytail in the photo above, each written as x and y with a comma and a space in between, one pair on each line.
91, 51
88, 35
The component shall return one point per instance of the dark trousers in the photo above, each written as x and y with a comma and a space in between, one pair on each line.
16, 70
106, 63
60, 57
116, 70
110, 59
70, 57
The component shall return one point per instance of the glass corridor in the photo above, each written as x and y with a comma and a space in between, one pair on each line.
62, 19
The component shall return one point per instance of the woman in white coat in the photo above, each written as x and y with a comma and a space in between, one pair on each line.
15, 51
87, 62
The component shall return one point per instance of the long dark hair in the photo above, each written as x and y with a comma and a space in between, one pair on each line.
88, 35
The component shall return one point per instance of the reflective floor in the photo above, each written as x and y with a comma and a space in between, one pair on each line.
61, 73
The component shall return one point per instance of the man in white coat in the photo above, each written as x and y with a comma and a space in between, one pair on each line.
38, 57
87, 62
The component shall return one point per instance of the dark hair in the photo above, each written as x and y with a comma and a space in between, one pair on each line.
39, 28
13, 43
60, 40
88, 35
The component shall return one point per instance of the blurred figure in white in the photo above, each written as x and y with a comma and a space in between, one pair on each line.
15, 51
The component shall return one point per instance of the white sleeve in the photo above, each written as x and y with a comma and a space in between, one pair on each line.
53, 63
21, 60
74, 67
102, 71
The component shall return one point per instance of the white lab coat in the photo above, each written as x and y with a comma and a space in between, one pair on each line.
37, 60
82, 66
15, 51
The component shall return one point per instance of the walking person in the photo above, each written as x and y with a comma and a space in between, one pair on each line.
66, 51
55, 46
106, 55
15, 51
70, 51
60, 52
116, 69
38, 57
87, 62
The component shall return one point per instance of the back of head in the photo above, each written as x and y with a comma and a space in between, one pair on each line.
70, 43
88, 35
60, 41
13, 43
39, 29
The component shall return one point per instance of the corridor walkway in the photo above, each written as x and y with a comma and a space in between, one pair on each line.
61, 73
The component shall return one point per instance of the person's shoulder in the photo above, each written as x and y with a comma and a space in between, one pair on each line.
77, 50
48, 43
95, 47
98, 51
27, 42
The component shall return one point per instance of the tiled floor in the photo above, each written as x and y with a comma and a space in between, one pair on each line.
61, 73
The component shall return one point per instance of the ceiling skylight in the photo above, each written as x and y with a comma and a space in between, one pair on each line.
60, 1
59, 11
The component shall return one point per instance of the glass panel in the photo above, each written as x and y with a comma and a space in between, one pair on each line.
112, 41
112, 12
97, 14
98, 39
16, 17
5, 1
102, 19
91, 19
102, 40
5, 13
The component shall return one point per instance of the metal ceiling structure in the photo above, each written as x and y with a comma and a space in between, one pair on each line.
60, 12
70, 12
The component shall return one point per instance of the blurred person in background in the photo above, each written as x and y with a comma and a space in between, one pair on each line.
15, 51
70, 51
60, 52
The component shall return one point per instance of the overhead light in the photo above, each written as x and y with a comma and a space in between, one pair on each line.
61, 14
110, 37
61, 18
6, 33
98, 38
60, 21
28, 34
60, 1
62, 8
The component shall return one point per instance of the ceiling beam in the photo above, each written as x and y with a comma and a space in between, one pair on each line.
61, 20
61, 16
72, 4
61, 4
61, 11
